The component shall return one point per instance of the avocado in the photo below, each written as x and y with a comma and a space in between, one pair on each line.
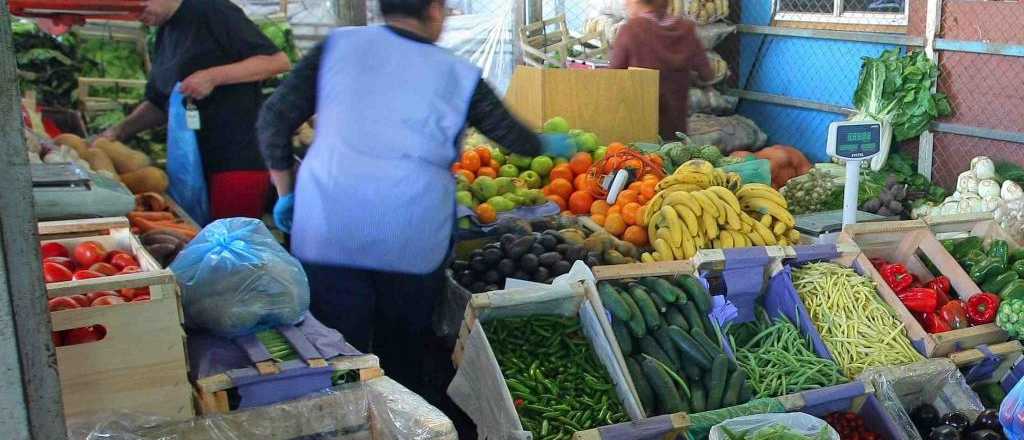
576, 253
466, 278
506, 240
519, 247
507, 267
561, 267
541, 275
549, 259
529, 263
592, 261
554, 234
563, 248
476, 253
492, 276
613, 256
548, 242
537, 249
478, 287
478, 265
520, 275
492, 256
460, 265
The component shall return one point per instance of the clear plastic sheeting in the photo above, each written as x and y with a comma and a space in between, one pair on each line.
934, 381
701, 423
798, 423
378, 409
488, 39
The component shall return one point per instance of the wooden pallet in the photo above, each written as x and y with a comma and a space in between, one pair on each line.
143, 352
905, 243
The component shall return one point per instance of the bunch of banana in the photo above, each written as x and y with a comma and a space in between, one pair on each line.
681, 221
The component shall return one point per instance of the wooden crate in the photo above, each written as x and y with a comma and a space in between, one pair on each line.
211, 393
905, 242
617, 105
140, 365
678, 424
1010, 352
970, 225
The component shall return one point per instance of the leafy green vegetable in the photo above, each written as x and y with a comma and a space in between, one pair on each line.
112, 59
46, 64
897, 88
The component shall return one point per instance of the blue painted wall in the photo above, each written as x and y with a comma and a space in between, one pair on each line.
818, 70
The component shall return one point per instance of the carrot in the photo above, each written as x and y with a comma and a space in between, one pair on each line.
150, 215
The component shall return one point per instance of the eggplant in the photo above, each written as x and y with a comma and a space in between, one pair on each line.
925, 417
985, 434
957, 420
987, 419
944, 432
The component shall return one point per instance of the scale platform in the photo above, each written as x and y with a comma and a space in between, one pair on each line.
66, 191
827, 222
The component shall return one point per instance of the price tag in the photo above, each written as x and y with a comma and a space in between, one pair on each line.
192, 116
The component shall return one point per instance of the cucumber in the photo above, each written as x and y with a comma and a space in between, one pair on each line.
660, 304
706, 343
689, 350
692, 316
716, 386
999, 282
672, 316
637, 326
709, 328
623, 337
650, 347
664, 289
733, 388
696, 291
698, 398
643, 389
612, 300
666, 344
746, 392
669, 401
647, 309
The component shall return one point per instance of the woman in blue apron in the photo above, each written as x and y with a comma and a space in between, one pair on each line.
374, 200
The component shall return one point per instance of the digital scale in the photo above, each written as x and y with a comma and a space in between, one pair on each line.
66, 191
853, 142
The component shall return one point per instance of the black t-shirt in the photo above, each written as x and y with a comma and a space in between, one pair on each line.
204, 34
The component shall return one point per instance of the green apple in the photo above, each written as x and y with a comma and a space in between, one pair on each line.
587, 142
464, 223
505, 185
556, 124
465, 198
542, 165
599, 153
531, 178
520, 161
498, 156
484, 188
508, 170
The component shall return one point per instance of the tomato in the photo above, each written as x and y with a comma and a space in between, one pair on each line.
53, 249
123, 260
61, 303
89, 253
87, 274
107, 301
55, 273
82, 300
129, 294
104, 268
63, 261
143, 297
82, 335
130, 269
92, 297
58, 339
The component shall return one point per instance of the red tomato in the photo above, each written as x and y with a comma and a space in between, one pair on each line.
53, 249
87, 274
107, 301
130, 293
82, 300
63, 261
114, 253
89, 253
141, 297
123, 260
55, 273
61, 303
130, 269
58, 339
82, 335
92, 297
106, 269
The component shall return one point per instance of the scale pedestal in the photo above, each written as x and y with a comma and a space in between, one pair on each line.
853, 142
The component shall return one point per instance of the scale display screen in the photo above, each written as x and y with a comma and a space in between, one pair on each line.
857, 140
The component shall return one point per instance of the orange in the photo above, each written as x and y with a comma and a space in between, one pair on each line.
485, 154
580, 163
598, 218
647, 189
599, 207
629, 213
580, 201
561, 188
581, 182
485, 213
486, 171
634, 164
626, 196
642, 200
615, 147
651, 177
456, 166
615, 209
636, 235
614, 224
494, 164
468, 175
558, 201
471, 160
635, 186
641, 216
561, 172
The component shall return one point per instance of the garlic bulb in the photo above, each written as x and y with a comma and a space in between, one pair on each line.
988, 188
983, 168
954, 196
1011, 191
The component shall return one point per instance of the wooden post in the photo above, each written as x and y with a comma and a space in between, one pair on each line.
926, 143
30, 397
351, 12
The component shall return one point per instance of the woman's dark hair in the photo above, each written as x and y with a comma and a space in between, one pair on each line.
407, 8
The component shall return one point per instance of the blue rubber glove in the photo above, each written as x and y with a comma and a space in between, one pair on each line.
283, 211
557, 145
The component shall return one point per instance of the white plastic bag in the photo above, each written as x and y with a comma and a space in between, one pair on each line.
800, 423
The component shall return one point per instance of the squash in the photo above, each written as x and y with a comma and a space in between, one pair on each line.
73, 141
146, 179
99, 161
125, 159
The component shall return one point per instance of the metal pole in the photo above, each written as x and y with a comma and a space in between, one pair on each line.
31, 409
351, 12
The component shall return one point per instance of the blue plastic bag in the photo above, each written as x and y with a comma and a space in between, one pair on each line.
1011, 413
236, 279
184, 162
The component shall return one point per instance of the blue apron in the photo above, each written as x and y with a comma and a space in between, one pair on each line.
375, 190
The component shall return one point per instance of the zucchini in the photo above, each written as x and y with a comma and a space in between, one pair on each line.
710, 347
668, 398
637, 326
643, 389
696, 291
716, 386
733, 388
647, 309
999, 282
660, 305
612, 300
623, 337
651, 348
672, 316
666, 344
698, 398
709, 328
663, 288
689, 350
692, 316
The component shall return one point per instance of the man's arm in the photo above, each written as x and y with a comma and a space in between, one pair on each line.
490, 117
255, 68
144, 117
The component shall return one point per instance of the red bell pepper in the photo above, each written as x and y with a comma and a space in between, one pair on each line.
942, 286
982, 308
897, 277
933, 323
919, 299
953, 312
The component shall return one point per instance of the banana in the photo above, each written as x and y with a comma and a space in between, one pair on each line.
727, 196
726, 238
706, 204
685, 178
697, 165
766, 220
688, 217
699, 241
742, 236
766, 234
779, 228
783, 242
663, 249
678, 253
654, 205
684, 198
755, 238
710, 226
749, 191
675, 225
689, 247
716, 244
646, 257
733, 218
764, 206
656, 256
652, 226
793, 236
719, 205
718, 177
